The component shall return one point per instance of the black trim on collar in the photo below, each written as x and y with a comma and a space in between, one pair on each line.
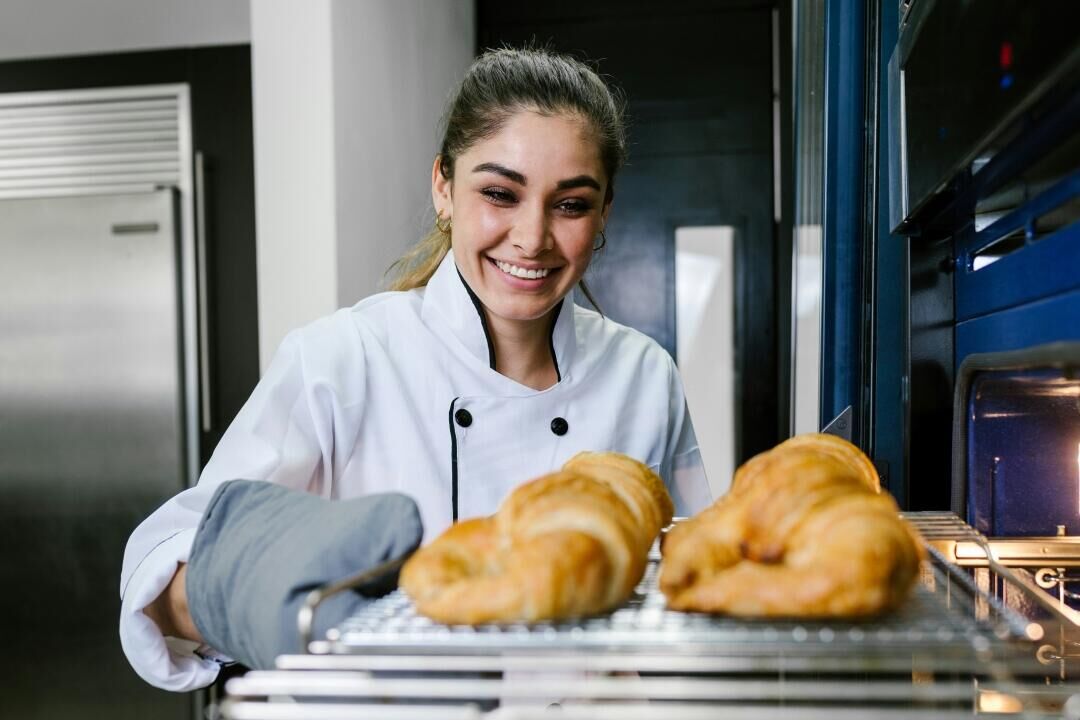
551, 340
483, 322
453, 461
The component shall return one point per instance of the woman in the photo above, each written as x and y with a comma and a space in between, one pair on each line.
477, 373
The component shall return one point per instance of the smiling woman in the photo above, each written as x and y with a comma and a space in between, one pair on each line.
476, 373
539, 138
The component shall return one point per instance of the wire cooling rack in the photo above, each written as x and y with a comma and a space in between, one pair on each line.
946, 615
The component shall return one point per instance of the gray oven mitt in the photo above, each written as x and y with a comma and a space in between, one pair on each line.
260, 549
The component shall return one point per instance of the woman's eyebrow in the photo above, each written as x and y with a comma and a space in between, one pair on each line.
579, 181
501, 170
515, 176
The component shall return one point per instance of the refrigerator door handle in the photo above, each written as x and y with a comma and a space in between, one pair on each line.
201, 281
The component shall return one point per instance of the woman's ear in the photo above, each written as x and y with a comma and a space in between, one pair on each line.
441, 187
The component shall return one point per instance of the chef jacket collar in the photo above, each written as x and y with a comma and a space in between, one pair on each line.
450, 304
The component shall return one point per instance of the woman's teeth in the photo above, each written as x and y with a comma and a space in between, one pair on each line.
522, 272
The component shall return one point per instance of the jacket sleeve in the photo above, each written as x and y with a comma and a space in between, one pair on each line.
284, 435
683, 471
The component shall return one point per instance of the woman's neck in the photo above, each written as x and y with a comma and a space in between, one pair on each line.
523, 350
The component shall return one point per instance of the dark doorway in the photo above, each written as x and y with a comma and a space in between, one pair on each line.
698, 81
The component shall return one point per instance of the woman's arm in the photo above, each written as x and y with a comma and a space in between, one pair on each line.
279, 436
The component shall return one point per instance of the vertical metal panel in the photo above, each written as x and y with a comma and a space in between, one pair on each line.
894, 122
188, 287
806, 275
888, 440
783, 57
845, 141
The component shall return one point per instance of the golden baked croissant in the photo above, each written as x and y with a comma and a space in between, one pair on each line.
568, 544
805, 531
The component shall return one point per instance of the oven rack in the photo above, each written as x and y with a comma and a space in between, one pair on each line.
954, 648
643, 624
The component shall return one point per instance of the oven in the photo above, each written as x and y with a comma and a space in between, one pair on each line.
960, 375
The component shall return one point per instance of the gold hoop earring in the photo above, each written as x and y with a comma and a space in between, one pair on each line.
603, 242
440, 226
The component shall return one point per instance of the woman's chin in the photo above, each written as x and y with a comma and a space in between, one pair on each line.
520, 311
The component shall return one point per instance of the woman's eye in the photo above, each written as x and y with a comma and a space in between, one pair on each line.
574, 207
498, 196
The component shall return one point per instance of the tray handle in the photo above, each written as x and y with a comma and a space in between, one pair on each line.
305, 619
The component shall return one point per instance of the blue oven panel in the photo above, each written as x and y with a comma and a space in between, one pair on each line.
1023, 452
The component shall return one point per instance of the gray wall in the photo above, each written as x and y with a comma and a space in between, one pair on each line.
395, 63
42, 28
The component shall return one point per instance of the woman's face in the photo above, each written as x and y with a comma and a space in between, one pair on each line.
526, 205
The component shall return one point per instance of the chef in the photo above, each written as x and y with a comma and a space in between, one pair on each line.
387, 421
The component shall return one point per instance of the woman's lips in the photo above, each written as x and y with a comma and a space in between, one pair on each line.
520, 277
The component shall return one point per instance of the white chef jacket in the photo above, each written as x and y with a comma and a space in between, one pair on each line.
399, 393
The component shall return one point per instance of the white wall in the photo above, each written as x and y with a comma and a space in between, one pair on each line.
295, 238
395, 63
348, 95
42, 28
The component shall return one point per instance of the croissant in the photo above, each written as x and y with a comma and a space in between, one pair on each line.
568, 544
804, 532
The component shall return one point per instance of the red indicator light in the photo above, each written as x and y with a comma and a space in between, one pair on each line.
1006, 55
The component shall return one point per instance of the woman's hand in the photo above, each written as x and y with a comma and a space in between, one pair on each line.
170, 610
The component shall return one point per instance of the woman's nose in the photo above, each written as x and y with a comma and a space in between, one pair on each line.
532, 234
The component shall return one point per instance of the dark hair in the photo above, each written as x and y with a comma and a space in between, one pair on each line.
503, 82
499, 84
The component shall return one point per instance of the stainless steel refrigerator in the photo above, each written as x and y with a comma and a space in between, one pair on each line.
92, 438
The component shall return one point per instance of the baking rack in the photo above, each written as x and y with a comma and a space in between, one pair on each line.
960, 646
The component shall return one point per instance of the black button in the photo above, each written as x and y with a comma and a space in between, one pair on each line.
463, 417
559, 426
